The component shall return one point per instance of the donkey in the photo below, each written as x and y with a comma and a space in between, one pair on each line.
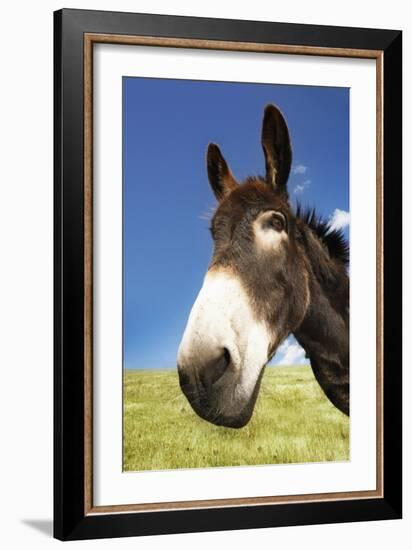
273, 272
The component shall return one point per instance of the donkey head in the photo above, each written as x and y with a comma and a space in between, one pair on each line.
256, 289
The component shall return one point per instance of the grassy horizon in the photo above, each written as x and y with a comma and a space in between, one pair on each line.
293, 422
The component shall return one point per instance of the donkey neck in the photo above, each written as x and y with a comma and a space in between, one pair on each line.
324, 331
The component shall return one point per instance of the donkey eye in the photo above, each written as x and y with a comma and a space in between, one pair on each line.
277, 222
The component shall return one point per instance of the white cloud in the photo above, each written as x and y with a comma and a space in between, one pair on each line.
299, 169
300, 187
339, 219
290, 353
294, 355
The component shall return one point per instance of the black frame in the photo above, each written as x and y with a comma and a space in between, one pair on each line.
70, 521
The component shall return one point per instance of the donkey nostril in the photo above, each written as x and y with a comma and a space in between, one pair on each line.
184, 378
215, 370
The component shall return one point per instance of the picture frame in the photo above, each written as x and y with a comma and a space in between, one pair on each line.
76, 32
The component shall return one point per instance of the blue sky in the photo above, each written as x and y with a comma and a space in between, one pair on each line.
167, 125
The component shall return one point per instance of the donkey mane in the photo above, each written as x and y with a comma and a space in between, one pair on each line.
333, 239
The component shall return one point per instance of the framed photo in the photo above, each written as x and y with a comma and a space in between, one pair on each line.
227, 274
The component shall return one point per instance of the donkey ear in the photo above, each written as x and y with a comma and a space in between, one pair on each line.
220, 177
276, 147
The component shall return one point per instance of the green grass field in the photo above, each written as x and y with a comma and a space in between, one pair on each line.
293, 422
